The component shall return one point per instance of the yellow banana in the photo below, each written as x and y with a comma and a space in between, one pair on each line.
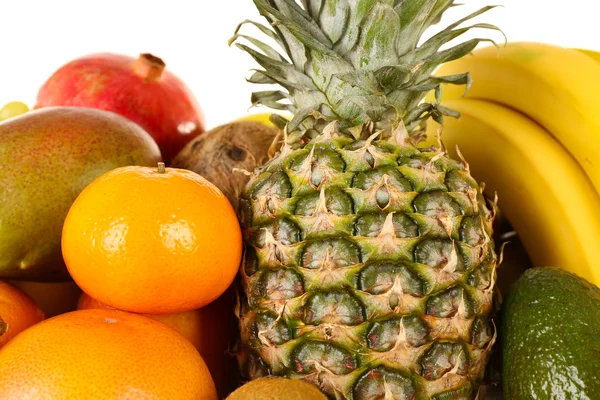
590, 53
262, 117
557, 87
542, 190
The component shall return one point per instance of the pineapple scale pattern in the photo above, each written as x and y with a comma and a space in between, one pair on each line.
369, 269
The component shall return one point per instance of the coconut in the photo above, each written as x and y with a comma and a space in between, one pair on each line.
226, 154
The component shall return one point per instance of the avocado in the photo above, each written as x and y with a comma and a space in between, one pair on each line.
47, 157
550, 335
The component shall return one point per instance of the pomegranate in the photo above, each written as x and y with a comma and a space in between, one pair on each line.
140, 89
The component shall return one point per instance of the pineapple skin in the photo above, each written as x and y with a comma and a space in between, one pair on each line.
369, 269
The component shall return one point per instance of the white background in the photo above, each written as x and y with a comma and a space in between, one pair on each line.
37, 37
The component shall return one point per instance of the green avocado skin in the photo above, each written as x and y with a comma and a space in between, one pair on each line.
550, 335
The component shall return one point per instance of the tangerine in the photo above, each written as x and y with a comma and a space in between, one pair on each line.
152, 241
105, 354
211, 329
18, 312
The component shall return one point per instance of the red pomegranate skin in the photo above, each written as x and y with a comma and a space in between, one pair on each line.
155, 99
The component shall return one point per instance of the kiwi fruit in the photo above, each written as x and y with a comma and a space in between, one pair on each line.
275, 388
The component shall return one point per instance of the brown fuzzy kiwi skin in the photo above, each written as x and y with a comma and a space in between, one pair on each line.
273, 388
223, 153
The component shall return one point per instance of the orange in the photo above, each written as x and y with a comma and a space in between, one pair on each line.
152, 241
210, 329
18, 312
104, 354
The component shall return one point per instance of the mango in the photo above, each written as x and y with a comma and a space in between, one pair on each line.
47, 157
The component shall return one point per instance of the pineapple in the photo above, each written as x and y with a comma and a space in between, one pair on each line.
369, 267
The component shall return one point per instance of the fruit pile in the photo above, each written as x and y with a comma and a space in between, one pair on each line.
382, 236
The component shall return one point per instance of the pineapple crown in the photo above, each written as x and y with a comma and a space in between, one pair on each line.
356, 61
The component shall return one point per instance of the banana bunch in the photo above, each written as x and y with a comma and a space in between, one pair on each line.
530, 129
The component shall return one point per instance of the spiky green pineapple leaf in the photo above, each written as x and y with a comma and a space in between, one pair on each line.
435, 83
313, 7
365, 80
354, 22
281, 71
278, 121
287, 12
294, 47
458, 51
433, 44
271, 99
333, 19
447, 111
267, 31
306, 38
415, 17
392, 77
299, 117
474, 14
439, 112
356, 60
380, 31
265, 48
432, 83
322, 67
260, 77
